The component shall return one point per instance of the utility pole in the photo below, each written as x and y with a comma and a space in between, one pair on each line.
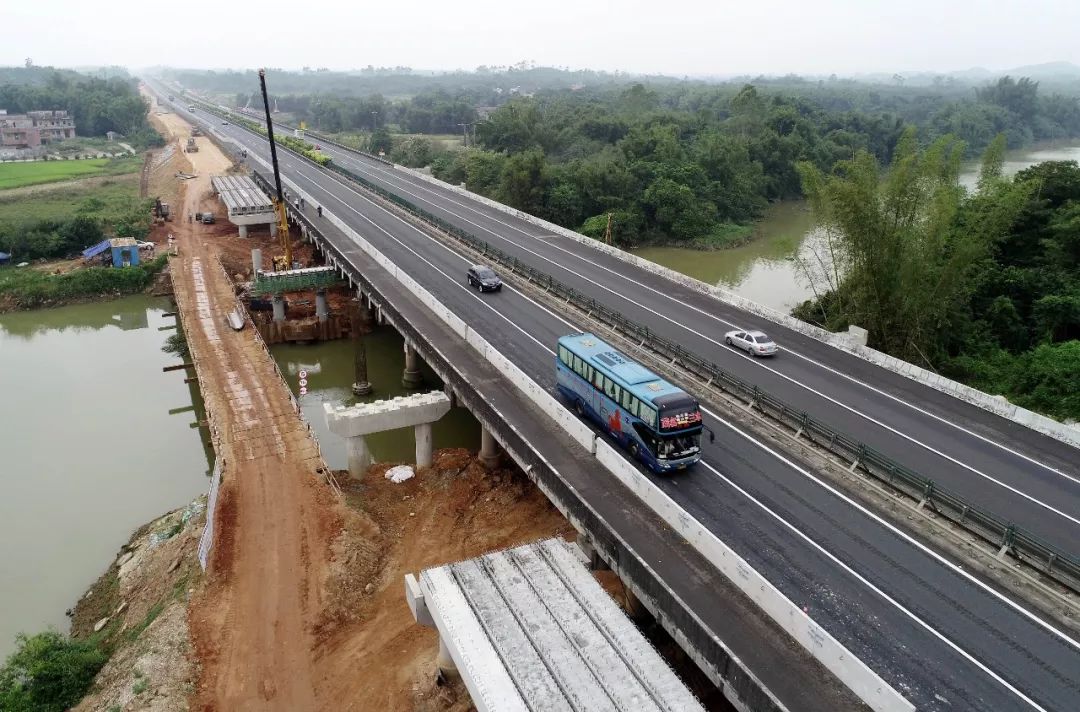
465, 133
607, 232
374, 120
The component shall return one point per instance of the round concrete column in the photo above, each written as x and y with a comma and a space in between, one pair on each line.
412, 379
256, 261
489, 449
273, 229
243, 231
359, 457
423, 444
278, 302
322, 312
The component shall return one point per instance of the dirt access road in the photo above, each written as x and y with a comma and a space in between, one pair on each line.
253, 623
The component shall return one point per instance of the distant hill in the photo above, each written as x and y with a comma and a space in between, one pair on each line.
1047, 70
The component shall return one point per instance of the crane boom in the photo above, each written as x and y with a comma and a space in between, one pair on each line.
283, 261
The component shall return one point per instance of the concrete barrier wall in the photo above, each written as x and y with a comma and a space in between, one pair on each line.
847, 667
995, 404
863, 681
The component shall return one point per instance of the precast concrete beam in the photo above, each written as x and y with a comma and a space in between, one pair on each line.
377, 416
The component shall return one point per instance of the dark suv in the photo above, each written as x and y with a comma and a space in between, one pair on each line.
484, 279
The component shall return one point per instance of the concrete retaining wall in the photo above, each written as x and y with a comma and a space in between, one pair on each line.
848, 668
995, 404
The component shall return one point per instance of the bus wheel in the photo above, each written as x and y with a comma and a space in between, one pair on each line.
579, 406
635, 451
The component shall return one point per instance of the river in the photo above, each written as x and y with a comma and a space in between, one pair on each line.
90, 451
767, 269
330, 370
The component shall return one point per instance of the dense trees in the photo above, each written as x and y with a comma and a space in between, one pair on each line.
48, 672
97, 105
984, 287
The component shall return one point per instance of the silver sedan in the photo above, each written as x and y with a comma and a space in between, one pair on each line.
755, 343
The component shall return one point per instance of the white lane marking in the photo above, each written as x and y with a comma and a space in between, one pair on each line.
940, 559
455, 282
879, 423
387, 173
894, 529
892, 601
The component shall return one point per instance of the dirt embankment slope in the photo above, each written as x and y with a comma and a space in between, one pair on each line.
303, 606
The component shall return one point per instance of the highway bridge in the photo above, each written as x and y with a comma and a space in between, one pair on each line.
943, 637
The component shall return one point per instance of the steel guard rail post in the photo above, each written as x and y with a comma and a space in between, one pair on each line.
1058, 565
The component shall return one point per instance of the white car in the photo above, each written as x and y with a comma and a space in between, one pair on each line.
755, 343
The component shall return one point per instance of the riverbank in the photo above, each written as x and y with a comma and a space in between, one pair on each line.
35, 288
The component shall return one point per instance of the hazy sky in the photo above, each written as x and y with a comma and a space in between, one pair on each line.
671, 37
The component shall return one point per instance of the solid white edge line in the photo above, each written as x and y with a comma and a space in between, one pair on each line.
897, 531
889, 599
387, 172
889, 428
746, 494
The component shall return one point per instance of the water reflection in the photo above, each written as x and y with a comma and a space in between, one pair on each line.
769, 269
330, 370
90, 451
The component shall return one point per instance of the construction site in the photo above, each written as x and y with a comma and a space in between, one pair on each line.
301, 606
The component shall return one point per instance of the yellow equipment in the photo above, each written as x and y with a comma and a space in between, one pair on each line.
283, 261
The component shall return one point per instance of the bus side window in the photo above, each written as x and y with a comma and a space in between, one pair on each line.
648, 415
634, 405
627, 400
598, 381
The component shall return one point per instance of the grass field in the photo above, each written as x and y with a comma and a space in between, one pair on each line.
17, 175
59, 203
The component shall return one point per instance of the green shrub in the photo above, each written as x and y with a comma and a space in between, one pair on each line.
32, 288
48, 672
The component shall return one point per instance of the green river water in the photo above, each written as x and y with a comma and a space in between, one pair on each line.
768, 270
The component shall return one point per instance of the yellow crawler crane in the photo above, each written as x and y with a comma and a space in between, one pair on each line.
282, 261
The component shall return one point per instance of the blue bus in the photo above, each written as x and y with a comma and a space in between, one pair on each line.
657, 422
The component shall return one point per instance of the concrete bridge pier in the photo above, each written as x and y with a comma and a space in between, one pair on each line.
412, 378
360, 321
273, 229
489, 449
243, 230
256, 261
278, 303
422, 435
358, 456
418, 411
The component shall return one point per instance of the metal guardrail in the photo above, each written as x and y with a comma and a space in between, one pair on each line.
1059, 565
1010, 538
